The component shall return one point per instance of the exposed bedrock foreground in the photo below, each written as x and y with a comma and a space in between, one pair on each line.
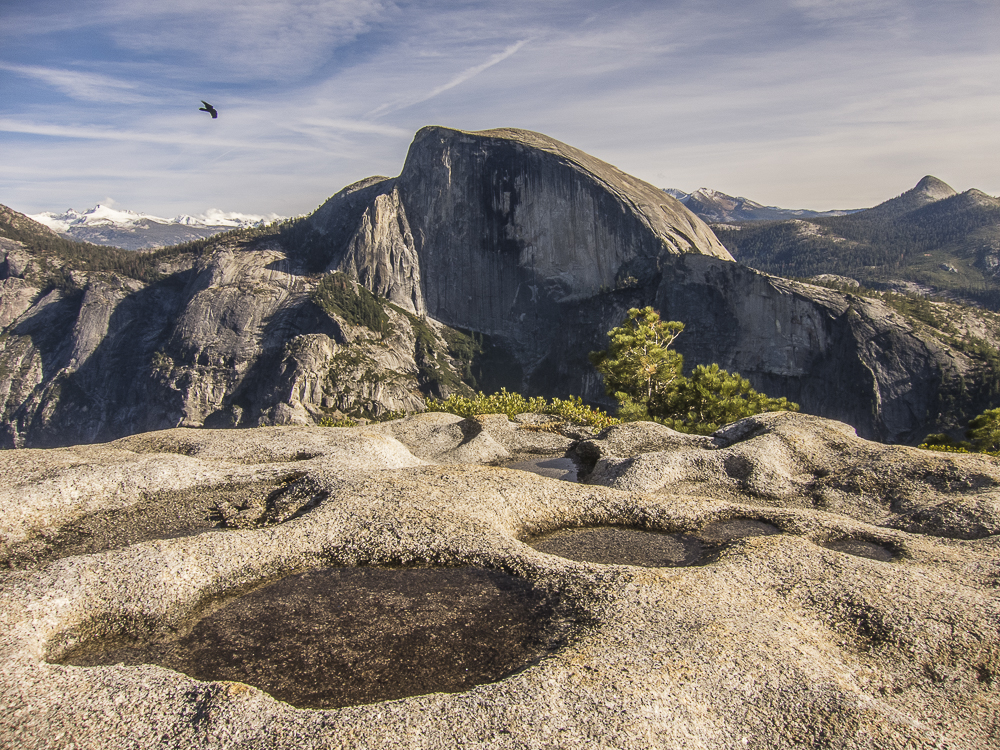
780, 584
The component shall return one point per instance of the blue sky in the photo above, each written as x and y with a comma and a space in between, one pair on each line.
798, 103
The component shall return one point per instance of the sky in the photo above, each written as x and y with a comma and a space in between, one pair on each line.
817, 104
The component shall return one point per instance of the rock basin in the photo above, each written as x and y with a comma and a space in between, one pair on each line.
861, 548
617, 545
556, 467
344, 636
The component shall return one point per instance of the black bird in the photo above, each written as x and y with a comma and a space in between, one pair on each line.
208, 108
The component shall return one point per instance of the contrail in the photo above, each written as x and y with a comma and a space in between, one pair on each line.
461, 78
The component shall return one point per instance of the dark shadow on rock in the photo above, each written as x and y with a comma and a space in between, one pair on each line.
116, 391
861, 548
170, 515
346, 636
263, 386
49, 328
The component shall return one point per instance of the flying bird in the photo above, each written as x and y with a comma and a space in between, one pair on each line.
208, 108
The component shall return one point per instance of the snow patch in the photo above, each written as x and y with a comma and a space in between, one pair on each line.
105, 216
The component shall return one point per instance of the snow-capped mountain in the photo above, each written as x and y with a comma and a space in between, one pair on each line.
104, 225
715, 207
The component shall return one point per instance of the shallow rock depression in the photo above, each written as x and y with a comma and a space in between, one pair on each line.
342, 636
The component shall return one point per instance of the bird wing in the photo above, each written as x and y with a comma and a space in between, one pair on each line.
207, 104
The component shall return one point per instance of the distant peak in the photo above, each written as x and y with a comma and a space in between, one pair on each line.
929, 190
105, 216
932, 187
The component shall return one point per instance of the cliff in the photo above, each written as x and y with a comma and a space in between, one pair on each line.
546, 248
533, 247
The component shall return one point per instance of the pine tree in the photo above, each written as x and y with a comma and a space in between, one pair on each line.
713, 397
639, 366
984, 431
646, 377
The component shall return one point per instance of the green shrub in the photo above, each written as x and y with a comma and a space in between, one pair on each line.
504, 402
341, 422
352, 422
574, 410
712, 398
984, 431
983, 436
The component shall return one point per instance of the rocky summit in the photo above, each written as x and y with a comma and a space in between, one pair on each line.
495, 258
782, 583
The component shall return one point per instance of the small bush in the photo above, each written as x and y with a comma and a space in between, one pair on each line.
342, 422
574, 410
352, 422
504, 402
983, 437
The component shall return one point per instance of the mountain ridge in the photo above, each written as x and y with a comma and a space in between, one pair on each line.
930, 237
715, 206
502, 253
105, 225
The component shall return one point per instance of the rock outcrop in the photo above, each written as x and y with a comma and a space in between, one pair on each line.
534, 247
235, 338
818, 593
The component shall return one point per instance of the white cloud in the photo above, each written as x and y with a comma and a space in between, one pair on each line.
82, 85
174, 137
271, 39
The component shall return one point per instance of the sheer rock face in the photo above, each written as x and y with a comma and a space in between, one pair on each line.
508, 223
838, 356
866, 617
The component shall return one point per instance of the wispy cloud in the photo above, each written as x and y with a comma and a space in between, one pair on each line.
458, 80
270, 39
318, 125
174, 137
81, 85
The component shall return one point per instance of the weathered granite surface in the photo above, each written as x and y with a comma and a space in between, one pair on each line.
801, 461
779, 640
